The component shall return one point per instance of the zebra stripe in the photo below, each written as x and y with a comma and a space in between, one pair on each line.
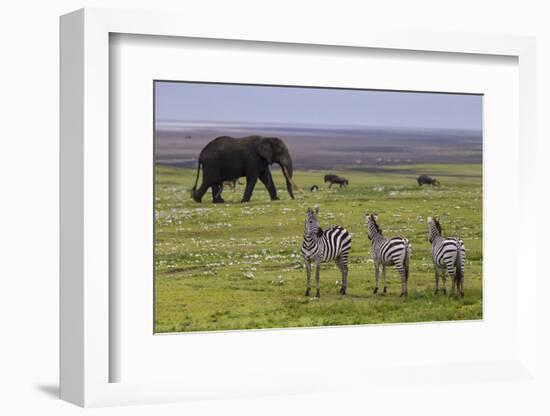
395, 251
319, 246
448, 256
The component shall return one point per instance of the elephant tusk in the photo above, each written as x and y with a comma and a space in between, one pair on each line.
287, 176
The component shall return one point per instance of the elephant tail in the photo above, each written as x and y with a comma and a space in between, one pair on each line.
196, 179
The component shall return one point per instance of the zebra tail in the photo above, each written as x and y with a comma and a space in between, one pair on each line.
196, 180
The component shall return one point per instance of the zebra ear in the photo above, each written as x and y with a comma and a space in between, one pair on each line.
316, 210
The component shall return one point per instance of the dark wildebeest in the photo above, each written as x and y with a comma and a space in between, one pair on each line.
426, 180
314, 188
336, 179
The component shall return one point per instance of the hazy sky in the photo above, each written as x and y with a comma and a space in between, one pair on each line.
177, 101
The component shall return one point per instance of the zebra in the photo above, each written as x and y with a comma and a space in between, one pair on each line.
320, 246
395, 251
448, 255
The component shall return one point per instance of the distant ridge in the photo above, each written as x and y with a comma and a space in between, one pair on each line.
366, 148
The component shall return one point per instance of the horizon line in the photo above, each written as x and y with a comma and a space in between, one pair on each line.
306, 125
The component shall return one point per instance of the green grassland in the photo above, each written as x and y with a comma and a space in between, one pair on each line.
236, 266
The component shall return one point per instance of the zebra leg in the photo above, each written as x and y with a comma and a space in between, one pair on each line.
384, 278
342, 265
317, 277
444, 278
453, 289
436, 279
456, 284
376, 275
308, 277
461, 280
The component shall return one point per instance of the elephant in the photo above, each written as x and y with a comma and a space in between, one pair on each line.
227, 159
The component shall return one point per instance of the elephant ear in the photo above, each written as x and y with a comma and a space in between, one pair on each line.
265, 150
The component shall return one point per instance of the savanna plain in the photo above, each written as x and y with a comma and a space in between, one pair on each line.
238, 266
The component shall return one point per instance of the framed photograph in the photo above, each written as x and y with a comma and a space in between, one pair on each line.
279, 213
272, 165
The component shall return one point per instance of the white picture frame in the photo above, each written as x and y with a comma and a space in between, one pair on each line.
86, 356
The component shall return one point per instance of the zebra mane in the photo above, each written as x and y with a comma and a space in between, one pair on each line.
320, 232
437, 225
378, 229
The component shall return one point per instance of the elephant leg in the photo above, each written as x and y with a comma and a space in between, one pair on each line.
217, 193
198, 194
210, 177
267, 180
250, 183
